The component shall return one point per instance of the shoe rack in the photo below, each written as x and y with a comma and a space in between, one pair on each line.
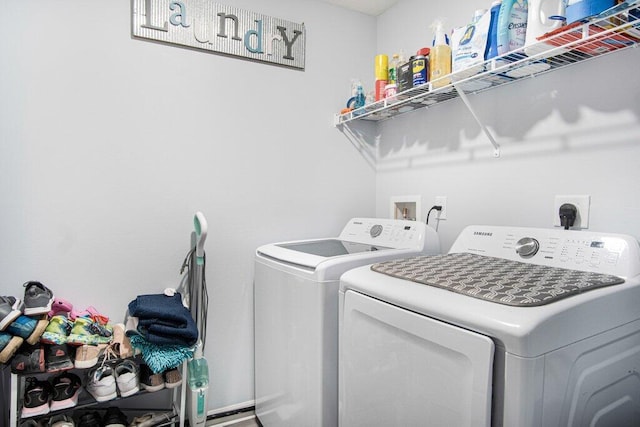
86, 401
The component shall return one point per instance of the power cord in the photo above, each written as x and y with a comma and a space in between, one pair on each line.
434, 208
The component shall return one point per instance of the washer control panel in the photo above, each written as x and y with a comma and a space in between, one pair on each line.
615, 254
388, 233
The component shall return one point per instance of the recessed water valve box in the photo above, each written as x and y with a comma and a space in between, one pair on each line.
406, 207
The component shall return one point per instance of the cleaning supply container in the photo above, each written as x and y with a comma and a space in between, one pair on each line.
197, 394
544, 16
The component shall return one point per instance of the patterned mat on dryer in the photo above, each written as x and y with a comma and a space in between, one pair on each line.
497, 280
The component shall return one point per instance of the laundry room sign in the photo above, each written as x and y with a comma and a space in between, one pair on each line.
213, 27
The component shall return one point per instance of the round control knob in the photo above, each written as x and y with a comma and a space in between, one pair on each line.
527, 247
376, 230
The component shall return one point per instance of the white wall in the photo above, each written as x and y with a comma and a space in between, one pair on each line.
109, 145
573, 131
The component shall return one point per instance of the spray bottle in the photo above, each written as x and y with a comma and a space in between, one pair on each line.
198, 382
440, 57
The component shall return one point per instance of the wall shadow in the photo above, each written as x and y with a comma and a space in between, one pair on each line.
447, 133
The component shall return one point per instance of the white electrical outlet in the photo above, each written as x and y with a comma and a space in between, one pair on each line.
582, 204
441, 201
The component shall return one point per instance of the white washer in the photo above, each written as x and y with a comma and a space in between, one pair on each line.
419, 350
296, 314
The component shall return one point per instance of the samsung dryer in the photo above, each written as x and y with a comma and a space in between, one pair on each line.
296, 314
515, 327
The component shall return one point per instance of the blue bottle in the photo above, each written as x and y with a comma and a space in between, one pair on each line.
491, 50
360, 100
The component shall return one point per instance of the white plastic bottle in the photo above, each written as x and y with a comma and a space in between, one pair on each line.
544, 16
439, 57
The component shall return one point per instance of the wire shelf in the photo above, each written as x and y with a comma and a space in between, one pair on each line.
616, 29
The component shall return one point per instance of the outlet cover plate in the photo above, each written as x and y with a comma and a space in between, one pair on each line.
581, 202
441, 201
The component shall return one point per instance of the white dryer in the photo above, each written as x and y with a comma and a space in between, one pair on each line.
296, 314
515, 327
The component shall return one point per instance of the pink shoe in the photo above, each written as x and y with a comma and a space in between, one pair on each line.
60, 306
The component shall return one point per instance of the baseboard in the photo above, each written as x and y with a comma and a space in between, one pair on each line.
225, 411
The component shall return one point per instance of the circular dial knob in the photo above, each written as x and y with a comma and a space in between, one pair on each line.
375, 230
527, 247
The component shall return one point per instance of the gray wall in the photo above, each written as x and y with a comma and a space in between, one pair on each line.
109, 145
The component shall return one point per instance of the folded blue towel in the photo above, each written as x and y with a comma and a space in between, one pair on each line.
160, 357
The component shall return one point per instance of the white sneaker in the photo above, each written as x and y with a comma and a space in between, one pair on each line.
126, 374
102, 384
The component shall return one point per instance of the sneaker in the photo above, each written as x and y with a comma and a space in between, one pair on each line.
172, 378
10, 309
57, 330
30, 423
114, 417
37, 298
90, 419
28, 360
87, 355
57, 358
36, 398
92, 313
8, 346
61, 420
102, 384
66, 389
152, 419
27, 328
149, 380
86, 331
126, 374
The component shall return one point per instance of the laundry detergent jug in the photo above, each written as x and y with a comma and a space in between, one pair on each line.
543, 16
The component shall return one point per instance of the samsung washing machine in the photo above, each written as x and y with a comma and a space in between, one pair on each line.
296, 314
514, 327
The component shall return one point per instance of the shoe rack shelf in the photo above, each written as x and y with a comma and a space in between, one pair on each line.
614, 30
86, 401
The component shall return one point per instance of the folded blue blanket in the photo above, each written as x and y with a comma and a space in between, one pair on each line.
163, 320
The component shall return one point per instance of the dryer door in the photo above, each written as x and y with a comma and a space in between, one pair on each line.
398, 368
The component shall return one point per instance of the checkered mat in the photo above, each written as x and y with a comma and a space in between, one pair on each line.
497, 280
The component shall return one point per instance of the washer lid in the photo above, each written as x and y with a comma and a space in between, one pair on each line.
312, 253
330, 247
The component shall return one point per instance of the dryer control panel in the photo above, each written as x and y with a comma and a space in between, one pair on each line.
607, 253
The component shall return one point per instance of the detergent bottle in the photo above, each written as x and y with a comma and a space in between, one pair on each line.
512, 25
439, 57
544, 16
492, 39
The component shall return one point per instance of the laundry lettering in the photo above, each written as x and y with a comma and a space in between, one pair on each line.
192, 23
